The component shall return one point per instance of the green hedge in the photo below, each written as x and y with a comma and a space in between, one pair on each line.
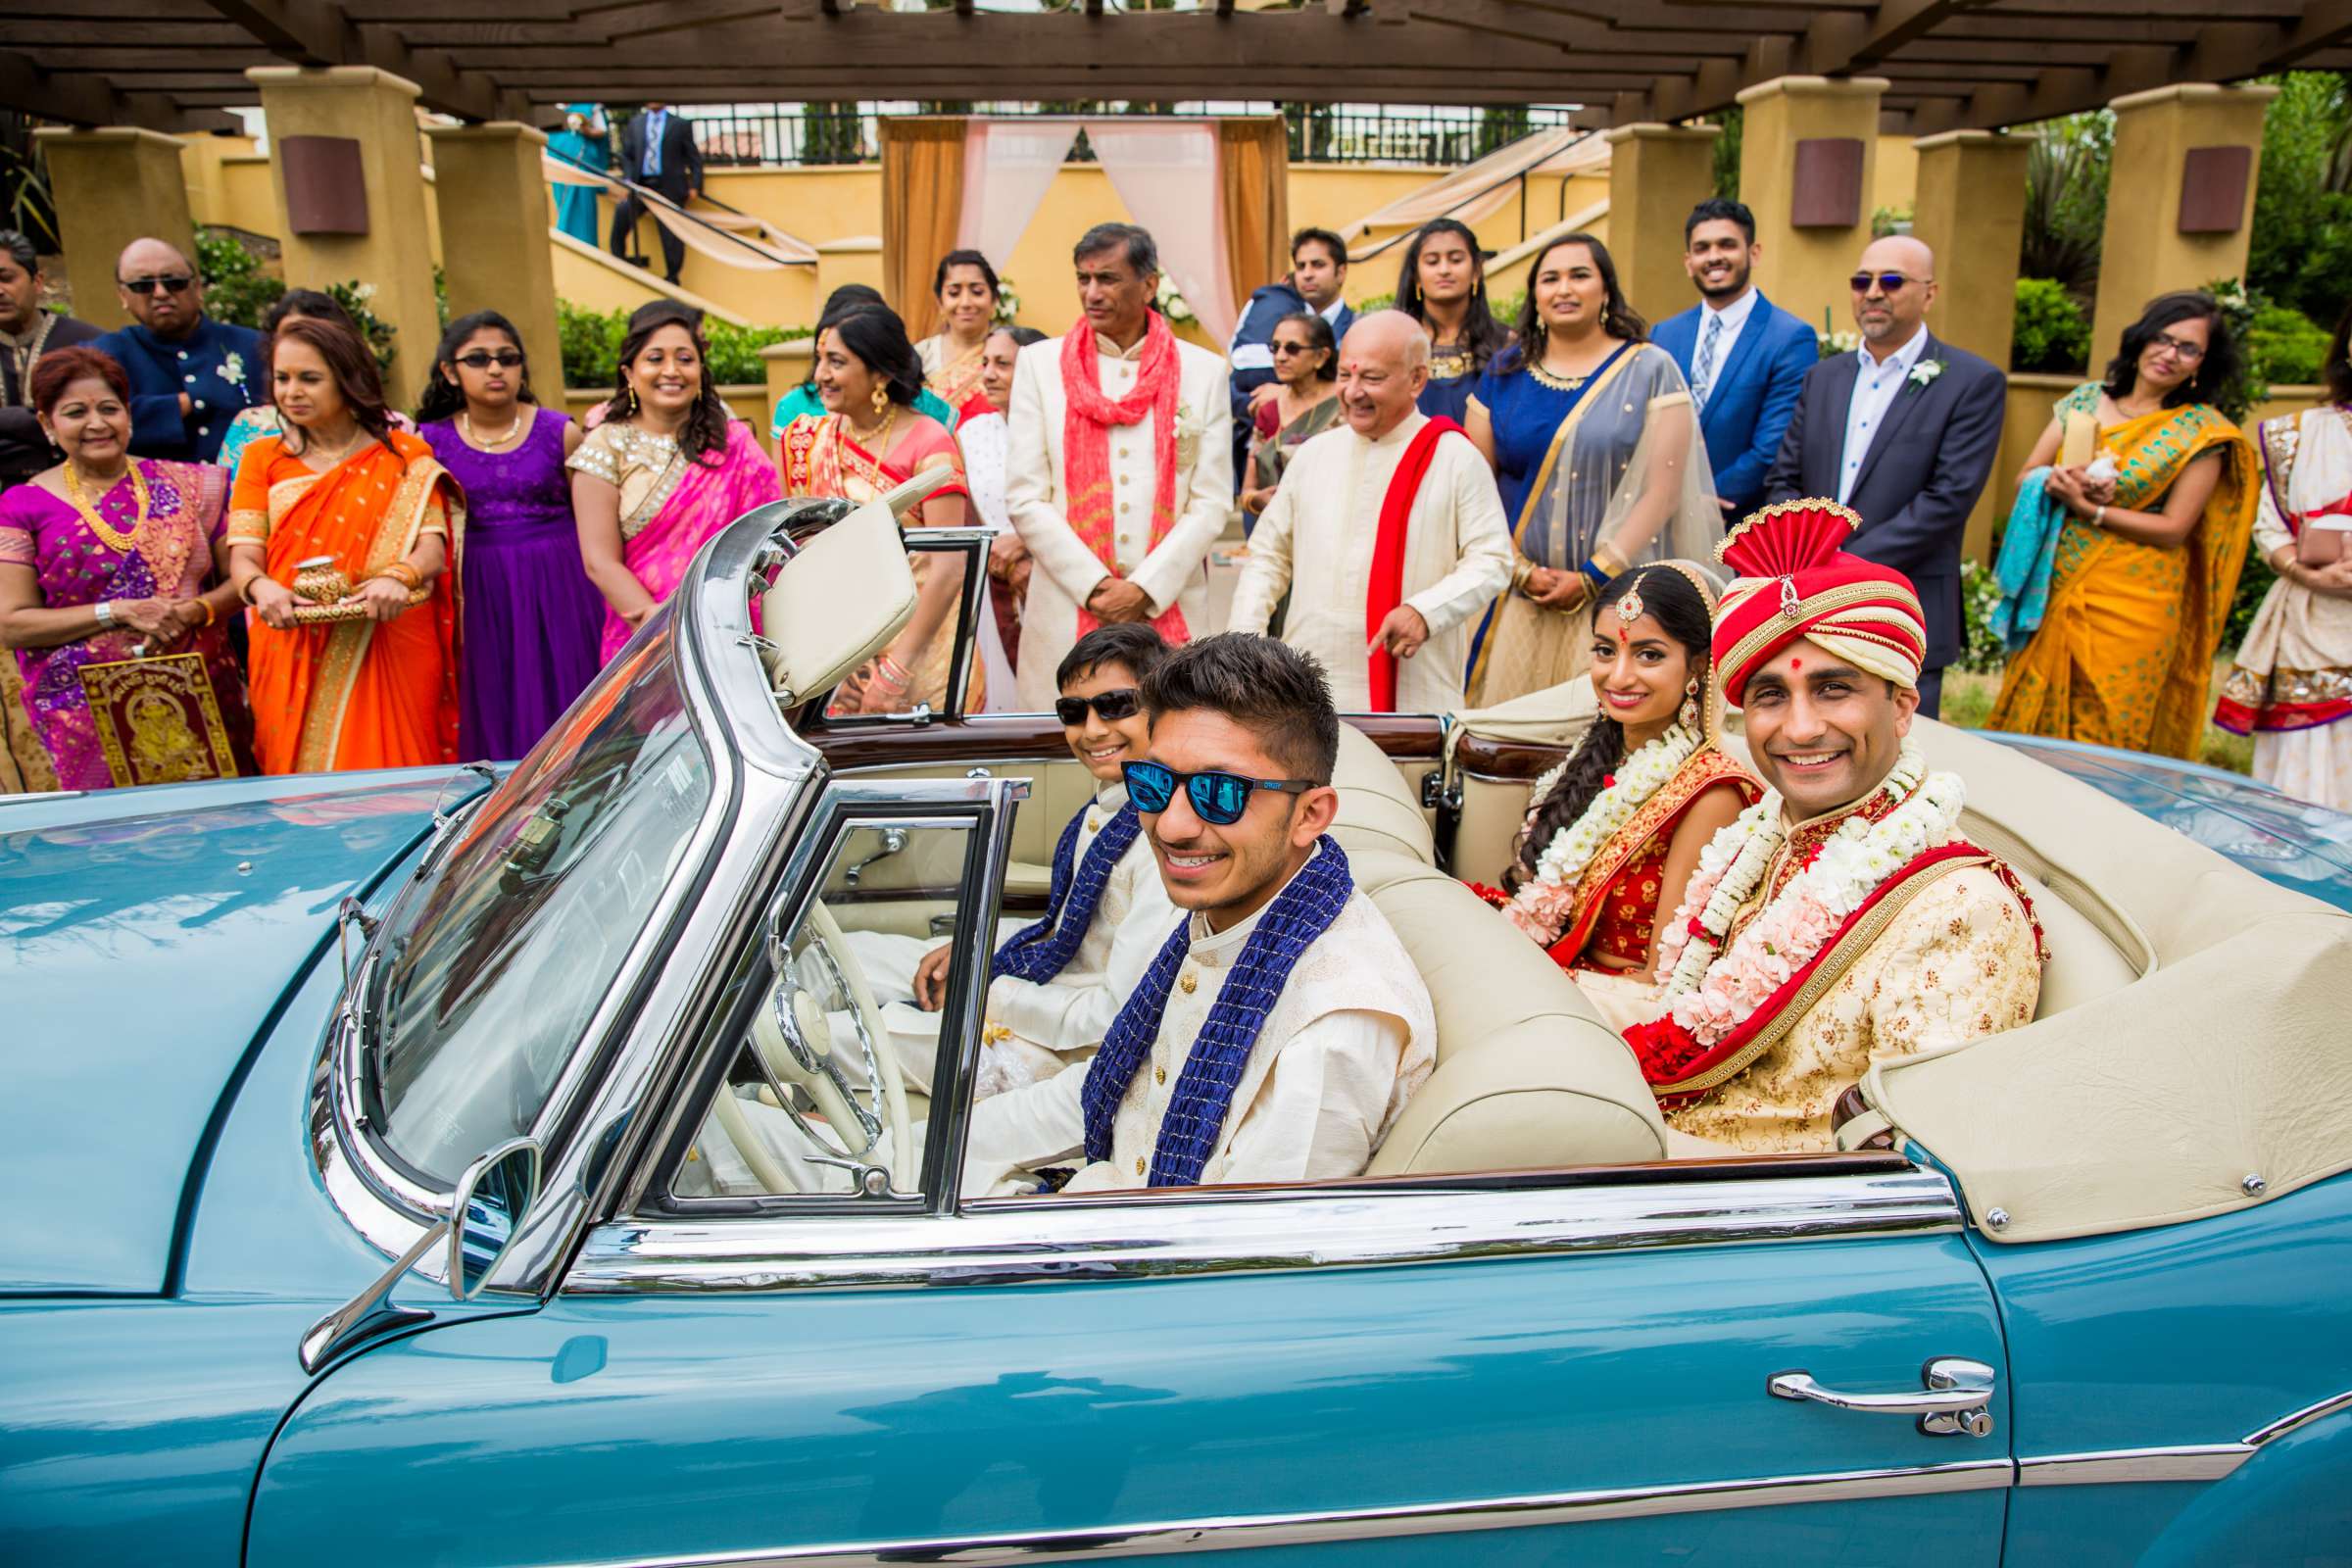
2286, 347
592, 347
2051, 332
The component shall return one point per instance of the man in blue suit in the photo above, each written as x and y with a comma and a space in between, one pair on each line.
1318, 271
1744, 356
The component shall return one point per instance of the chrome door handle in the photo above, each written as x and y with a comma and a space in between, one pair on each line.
1954, 1399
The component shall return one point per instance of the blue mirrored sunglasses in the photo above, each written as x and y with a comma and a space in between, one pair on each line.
1217, 799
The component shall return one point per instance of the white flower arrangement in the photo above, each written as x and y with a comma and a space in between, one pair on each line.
1711, 990
1925, 372
1542, 902
1832, 344
1008, 303
1171, 302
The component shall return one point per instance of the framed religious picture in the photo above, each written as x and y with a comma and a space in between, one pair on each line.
158, 720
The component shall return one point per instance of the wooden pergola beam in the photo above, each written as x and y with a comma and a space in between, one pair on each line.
321, 33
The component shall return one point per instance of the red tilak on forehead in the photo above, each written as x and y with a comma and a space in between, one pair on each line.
1797, 663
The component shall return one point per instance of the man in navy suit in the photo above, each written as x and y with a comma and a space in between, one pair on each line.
1318, 271
1903, 430
657, 149
1743, 356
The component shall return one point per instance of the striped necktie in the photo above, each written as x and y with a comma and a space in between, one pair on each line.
1703, 373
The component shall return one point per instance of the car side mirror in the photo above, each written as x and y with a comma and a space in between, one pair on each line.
486, 1212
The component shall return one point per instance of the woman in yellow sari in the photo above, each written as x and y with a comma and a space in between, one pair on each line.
372, 682
870, 440
2146, 562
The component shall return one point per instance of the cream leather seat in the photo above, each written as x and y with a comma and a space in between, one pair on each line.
1378, 814
1528, 1077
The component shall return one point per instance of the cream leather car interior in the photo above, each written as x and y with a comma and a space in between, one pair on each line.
1378, 814
817, 632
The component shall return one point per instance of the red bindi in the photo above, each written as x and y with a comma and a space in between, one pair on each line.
1797, 663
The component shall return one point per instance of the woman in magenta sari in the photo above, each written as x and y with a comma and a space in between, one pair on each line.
664, 470
869, 440
106, 555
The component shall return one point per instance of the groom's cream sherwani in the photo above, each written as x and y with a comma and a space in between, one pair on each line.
1175, 571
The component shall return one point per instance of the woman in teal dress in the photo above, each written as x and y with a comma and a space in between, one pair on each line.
585, 143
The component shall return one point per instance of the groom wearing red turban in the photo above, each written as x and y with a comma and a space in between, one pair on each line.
1843, 918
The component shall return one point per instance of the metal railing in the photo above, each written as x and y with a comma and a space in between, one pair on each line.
738, 134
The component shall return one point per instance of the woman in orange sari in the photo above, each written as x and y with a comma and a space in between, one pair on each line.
2151, 536
869, 440
1614, 833
369, 678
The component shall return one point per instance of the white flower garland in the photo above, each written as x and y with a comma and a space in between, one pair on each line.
1561, 865
1712, 990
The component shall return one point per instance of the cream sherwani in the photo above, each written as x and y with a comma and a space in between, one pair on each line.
1351, 1039
1175, 571
1317, 540
1962, 960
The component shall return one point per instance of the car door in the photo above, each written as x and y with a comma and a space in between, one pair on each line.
1490, 1370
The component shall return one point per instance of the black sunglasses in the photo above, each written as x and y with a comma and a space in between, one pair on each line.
1217, 799
1287, 349
1124, 702
1889, 283
144, 286
483, 359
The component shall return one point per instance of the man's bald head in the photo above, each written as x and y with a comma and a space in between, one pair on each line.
1890, 318
1384, 364
143, 273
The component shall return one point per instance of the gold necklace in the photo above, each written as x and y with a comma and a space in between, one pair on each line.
358, 436
121, 542
875, 439
487, 443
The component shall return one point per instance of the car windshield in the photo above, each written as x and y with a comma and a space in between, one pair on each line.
493, 965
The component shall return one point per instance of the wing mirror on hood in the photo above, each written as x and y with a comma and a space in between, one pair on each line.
493, 1196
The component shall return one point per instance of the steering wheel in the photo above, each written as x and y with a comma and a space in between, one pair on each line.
794, 1034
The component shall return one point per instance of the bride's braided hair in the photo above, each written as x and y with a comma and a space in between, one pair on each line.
1669, 597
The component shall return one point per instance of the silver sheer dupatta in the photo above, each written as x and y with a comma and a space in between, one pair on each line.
1661, 505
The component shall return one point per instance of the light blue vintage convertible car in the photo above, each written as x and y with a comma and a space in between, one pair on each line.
266, 1039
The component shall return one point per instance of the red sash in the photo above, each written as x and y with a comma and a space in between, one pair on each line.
1681, 1071
1388, 553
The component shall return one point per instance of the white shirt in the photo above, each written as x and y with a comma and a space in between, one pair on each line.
1037, 1028
1876, 387
1733, 316
1317, 538
985, 439
1170, 573
1351, 1039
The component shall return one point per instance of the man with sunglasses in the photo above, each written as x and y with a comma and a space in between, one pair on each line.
1280, 1027
189, 374
1056, 985
1904, 431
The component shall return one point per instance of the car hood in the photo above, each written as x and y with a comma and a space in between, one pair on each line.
2276, 837
147, 936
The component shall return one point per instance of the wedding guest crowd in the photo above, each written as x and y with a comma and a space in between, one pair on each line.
1422, 570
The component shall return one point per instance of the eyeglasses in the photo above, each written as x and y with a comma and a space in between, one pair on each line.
2185, 353
1124, 702
482, 359
1285, 350
1217, 799
177, 283
1889, 283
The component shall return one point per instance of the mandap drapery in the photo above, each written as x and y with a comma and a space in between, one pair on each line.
1254, 173
922, 204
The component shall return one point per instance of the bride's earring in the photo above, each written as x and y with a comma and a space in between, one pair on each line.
1690, 712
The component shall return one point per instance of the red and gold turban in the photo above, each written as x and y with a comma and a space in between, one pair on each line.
1795, 581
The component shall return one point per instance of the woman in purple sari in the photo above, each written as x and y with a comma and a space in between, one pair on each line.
664, 471
531, 615
105, 556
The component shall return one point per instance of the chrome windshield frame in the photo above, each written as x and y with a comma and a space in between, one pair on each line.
761, 777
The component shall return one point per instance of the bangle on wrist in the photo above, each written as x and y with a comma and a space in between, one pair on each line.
400, 572
245, 589
1593, 570
2098, 519
205, 604
104, 612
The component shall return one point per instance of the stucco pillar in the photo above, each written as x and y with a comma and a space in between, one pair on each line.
1808, 169
2181, 153
112, 186
855, 260
1656, 175
363, 126
489, 185
787, 366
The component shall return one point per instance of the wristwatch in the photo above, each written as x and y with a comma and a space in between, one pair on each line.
104, 610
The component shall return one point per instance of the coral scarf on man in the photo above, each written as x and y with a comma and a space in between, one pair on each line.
1087, 418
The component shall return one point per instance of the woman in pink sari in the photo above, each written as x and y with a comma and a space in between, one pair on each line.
664, 470
868, 441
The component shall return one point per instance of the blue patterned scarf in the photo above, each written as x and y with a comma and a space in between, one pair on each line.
1212, 1070
1038, 953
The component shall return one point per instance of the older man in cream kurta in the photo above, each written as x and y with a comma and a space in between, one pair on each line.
1350, 1040
1319, 537
1173, 573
